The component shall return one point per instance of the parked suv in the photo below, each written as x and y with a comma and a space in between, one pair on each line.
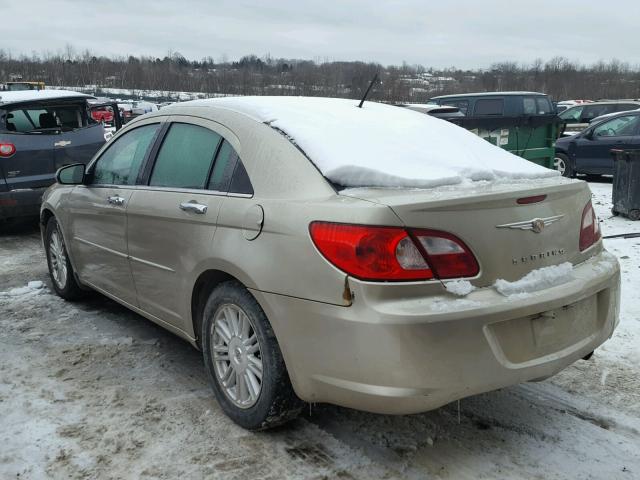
41, 131
577, 118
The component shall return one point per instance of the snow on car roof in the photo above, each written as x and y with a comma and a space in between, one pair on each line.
381, 145
34, 95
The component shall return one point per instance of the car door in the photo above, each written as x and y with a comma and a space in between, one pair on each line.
593, 149
97, 213
172, 220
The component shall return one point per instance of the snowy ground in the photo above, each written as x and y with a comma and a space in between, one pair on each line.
91, 390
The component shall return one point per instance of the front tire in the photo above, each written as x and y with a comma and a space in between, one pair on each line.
60, 269
244, 362
564, 166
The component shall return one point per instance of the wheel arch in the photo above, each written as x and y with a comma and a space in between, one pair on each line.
45, 214
203, 286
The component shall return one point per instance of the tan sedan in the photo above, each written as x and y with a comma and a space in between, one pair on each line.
230, 230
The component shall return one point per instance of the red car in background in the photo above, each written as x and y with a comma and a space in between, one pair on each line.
102, 114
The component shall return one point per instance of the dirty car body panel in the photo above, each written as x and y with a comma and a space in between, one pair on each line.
384, 346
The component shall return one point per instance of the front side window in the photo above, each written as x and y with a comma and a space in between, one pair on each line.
121, 162
185, 157
489, 106
463, 105
572, 115
544, 106
618, 127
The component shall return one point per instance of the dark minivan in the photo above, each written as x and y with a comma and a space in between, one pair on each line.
523, 123
503, 104
40, 131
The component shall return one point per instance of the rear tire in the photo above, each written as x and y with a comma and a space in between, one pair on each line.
60, 270
634, 215
244, 362
564, 166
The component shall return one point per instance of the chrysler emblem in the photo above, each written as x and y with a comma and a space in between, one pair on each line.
536, 225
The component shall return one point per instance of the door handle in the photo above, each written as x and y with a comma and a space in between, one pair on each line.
194, 207
115, 200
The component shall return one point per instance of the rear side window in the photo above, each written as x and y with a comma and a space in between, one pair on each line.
185, 157
46, 119
240, 182
121, 162
529, 105
592, 111
223, 168
229, 174
26, 120
489, 106
623, 107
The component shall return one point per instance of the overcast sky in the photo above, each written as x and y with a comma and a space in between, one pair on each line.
464, 33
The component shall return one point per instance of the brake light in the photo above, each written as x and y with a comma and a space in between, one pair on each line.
393, 253
590, 228
7, 149
530, 200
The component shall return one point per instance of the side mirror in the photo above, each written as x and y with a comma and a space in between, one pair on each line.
71, 174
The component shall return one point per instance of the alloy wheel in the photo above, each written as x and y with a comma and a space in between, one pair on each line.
237, 358
560, 165
58, 259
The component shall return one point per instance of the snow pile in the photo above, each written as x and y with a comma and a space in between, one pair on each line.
32, 286
459, 287
381, 145
536, 280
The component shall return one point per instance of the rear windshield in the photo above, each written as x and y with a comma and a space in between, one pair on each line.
42, 119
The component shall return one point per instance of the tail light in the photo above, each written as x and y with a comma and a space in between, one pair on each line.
393, 253
590, 228
7, 149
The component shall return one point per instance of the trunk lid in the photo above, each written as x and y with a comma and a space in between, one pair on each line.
499, 230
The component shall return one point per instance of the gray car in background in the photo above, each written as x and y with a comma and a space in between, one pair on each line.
41, 131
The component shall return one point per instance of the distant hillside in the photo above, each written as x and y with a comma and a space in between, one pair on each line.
250, 75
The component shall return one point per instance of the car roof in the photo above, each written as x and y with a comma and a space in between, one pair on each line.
351, 146
610, 116
488, 94
23, 96
606, 102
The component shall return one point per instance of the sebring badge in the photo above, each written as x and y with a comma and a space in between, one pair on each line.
536, 225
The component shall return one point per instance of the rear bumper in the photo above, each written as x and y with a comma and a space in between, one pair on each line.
407, 356
21, 203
